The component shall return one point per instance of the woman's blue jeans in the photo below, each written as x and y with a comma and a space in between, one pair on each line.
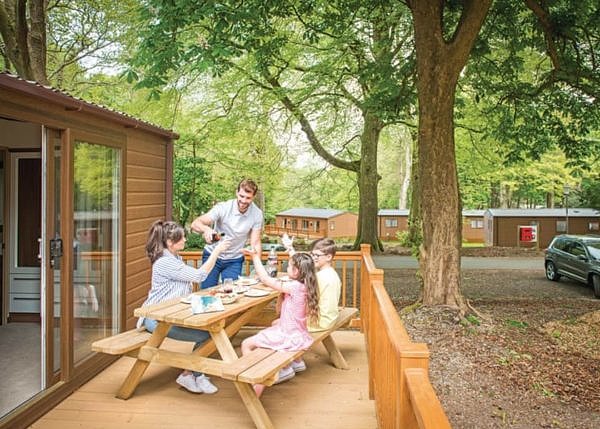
197, 336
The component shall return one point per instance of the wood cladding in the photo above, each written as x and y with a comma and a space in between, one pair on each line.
145, 202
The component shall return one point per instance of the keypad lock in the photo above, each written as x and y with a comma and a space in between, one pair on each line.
56, 250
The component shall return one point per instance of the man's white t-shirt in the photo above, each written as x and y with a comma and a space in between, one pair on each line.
226, 217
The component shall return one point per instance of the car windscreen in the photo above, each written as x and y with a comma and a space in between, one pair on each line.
594, 249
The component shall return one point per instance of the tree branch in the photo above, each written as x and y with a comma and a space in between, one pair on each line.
21, 33
544, 20
467, 30
278, 90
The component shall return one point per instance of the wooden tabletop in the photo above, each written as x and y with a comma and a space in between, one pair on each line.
178, 313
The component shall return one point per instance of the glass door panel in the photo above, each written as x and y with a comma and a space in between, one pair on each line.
96, 248
53, 252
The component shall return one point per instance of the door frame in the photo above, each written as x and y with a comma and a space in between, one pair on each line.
49, 220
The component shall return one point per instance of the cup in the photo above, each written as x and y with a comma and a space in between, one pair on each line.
228, 285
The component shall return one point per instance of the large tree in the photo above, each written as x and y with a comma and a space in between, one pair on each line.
445, 33
440, 59
341, 69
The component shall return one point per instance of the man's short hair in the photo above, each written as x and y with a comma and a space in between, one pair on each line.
325, 245
248, 185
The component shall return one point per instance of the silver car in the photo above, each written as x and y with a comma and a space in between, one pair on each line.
576, 257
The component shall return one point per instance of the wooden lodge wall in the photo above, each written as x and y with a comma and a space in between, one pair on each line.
148, 178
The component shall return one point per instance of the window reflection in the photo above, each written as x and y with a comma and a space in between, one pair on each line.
96, 244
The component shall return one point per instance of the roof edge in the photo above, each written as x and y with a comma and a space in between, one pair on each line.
71, 103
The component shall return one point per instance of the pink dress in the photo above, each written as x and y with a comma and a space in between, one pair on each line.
291, 333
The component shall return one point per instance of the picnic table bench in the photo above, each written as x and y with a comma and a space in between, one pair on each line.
262, 365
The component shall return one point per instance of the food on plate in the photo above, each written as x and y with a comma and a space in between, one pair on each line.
228, 298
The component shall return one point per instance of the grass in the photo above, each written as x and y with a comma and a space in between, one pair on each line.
467, 244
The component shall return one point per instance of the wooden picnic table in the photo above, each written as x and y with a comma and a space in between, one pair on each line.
221, 325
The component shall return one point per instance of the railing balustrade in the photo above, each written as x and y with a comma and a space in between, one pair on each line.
398, 368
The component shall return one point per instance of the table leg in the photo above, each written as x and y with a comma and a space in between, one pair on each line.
139, 367
233, 328
254, 406
249, 398
334, 353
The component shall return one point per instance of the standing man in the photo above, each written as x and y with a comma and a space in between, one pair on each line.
239, 219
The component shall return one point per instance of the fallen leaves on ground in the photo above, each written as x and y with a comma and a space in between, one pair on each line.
533, 363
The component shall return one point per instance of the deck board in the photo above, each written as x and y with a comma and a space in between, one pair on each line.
321, 397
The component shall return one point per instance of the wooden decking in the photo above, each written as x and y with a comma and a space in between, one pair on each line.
321, 397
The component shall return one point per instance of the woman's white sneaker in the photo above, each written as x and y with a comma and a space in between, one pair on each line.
203, 383
188, 382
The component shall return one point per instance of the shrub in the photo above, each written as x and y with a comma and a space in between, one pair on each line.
194, 241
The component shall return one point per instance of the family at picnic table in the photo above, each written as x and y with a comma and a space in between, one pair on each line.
308, 301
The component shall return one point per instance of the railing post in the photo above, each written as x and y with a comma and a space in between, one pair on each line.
414, 355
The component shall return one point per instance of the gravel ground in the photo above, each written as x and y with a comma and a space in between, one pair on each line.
530, 360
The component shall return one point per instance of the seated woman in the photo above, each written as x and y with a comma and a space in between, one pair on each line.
172, 278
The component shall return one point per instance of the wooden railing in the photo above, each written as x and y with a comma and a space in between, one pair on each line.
398, 368
306, 234
346, 262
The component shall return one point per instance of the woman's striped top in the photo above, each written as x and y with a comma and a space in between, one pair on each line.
171, 278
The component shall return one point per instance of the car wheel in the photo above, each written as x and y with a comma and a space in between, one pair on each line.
596, 284
551, 273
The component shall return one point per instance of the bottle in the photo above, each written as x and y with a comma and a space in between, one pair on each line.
216, 236
272, 262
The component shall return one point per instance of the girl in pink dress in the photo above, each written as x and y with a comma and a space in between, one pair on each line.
299, 301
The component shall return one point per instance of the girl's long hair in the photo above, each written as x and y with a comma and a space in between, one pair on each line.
308, 276
158, 234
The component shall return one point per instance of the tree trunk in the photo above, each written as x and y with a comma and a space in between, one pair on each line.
494, 195
406, 177
440, 205
415, 221
438, 67
367, 184
37, 39
25, 47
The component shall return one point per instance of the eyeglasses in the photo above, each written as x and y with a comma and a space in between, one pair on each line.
316, 255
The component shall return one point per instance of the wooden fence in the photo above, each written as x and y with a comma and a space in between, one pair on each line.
294, 232
398, 368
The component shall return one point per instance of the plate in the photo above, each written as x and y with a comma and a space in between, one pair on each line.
246, 282
240, 289
186, 299
228, 298
255, 293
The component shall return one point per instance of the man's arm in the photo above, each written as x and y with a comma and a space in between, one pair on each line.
255, 238
202, 225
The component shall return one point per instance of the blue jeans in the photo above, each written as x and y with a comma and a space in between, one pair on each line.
182, 334
227, 268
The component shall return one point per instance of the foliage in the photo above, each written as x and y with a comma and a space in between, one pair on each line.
87, 36
589, 194
336, 68
404, 237
532, 76
190, 198
194, 241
